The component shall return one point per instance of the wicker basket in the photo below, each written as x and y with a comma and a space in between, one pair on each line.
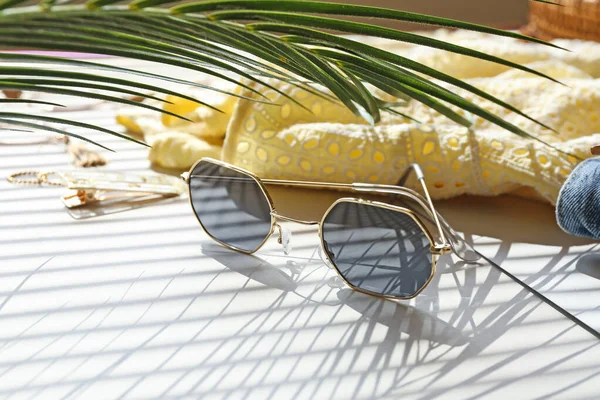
577, 19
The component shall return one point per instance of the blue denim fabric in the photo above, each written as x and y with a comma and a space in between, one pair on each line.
578, 205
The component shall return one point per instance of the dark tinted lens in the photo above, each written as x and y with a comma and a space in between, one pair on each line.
377, 250
230, 205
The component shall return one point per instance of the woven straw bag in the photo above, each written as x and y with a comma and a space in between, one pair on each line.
577, 19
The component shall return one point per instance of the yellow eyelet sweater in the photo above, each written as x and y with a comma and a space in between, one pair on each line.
328, 143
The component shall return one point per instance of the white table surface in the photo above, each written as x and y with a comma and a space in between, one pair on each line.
141, 304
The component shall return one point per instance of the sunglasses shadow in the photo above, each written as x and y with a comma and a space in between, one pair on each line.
403, 318
250, 266
399, 317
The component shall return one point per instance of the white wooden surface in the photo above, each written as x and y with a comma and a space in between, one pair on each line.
522, 237
141, 304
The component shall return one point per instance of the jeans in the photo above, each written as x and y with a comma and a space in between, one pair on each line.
578, 204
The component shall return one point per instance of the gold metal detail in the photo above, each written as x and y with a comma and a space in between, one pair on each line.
441, 249
43, 177
16, 178
288, 219
308, 184
40, 178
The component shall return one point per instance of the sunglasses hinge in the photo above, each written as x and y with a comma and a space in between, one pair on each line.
441, 249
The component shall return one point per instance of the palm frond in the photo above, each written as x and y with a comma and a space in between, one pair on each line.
258, 40
30, 101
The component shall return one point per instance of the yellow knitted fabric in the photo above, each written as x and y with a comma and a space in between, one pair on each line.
330, 144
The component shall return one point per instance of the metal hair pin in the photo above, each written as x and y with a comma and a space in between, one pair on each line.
89, 187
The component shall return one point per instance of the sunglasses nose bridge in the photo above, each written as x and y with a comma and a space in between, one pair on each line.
279, 217
285, 235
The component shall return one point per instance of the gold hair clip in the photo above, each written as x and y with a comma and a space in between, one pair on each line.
88, 187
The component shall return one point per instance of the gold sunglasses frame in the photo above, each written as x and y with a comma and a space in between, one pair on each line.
436, 248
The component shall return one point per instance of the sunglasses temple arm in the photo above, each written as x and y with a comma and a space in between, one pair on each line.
456, 241
413, 168
416, 169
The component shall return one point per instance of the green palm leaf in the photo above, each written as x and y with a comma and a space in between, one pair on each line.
27, 101
229, 40
319, 7
28, 117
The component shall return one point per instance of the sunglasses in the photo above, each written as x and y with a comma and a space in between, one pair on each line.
382, 249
